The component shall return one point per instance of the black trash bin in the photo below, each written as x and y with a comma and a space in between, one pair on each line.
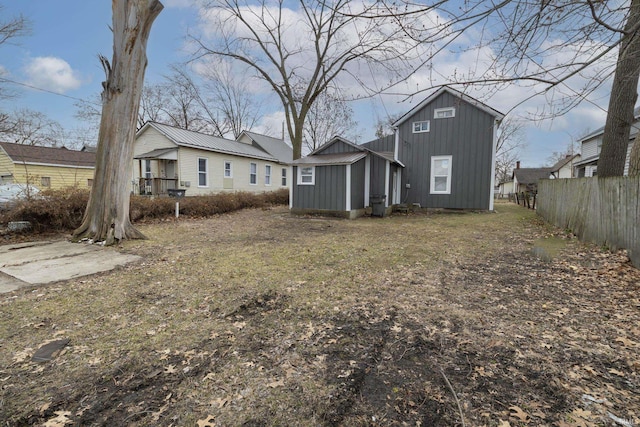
178, 193
377, 205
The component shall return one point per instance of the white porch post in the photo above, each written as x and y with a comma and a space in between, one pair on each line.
348, 189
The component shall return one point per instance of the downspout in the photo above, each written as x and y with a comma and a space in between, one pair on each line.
386, 183
348, 188
367, 179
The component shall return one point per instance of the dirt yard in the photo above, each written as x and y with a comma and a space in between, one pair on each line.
258, 318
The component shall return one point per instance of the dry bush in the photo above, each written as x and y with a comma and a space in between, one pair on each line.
62, 210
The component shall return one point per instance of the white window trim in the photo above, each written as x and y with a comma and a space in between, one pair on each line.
226, 162
438, 110
313, 175
413, 126
206, 172
253, 173
432, 187
267, 176
283, 177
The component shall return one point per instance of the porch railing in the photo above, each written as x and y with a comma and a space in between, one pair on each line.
157, 186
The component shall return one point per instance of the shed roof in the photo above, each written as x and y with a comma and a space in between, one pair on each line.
31, 154
482, 106
331, 159
528, 176
192, 139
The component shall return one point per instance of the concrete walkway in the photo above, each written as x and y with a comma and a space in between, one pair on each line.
36, 263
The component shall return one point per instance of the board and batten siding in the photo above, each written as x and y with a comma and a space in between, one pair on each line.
329, 191
339, 147
357, 184
468, 138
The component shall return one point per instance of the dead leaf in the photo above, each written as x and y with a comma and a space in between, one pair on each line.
518, 413
274, 384
170, 369
626, 342
61, 419
616, 372
220, 402
207, 422
504, 423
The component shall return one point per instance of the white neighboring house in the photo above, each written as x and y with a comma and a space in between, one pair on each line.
591, 145
166, 158
565, 168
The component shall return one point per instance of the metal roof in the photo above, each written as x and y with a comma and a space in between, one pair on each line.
331, 159
274, 146
160, 153
188, 138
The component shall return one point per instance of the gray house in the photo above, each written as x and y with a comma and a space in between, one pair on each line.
441, 155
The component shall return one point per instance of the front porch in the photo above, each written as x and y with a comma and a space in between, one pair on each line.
156, 186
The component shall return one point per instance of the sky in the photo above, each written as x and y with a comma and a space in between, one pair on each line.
56, 65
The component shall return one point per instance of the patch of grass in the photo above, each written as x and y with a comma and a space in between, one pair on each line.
257, 317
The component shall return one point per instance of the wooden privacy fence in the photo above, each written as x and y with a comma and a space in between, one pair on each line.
605, 211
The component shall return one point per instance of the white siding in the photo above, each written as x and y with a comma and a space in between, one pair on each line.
150, 140
626, 163
590, 148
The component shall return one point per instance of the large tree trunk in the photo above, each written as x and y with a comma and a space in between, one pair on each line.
107, 215
623, 98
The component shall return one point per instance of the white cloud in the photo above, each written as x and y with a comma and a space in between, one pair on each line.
51, 73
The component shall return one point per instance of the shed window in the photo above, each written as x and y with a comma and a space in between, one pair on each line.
419, 127
284, 177
441, 175
306, 175
45, 181
227, 170
444, 113
202, 172
253, 173
267, 175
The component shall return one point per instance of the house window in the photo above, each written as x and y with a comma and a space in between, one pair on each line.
306, 175
441, 175
253, 173
45, 181
202, 172
147, 169
444, 113
89, 182
227, 170
267, 175
284, 177
419, 127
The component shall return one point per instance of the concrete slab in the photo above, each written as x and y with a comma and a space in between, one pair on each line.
38, 263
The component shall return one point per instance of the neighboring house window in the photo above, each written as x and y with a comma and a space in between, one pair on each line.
89, 182
284, 177
45, 181
147, 169
253, 173
202, 172
267, 175
306, 175
444, 113
441, 175
419, 127
227, 170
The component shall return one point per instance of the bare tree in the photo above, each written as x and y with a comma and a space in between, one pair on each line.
10, 29
299, 53
385, 127
226, 90
107, 215
509, 142
31, 127
328, 116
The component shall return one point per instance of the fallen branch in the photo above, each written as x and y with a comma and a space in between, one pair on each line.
455, 396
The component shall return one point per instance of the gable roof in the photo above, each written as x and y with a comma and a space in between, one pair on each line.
484, 107
192, 139
528, 176
317, 158
600, 130
561, 163
274, 146
49, 156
